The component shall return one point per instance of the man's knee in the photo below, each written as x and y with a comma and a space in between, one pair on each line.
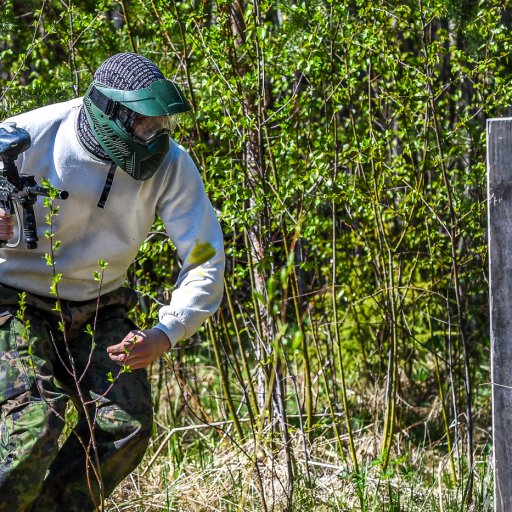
128, 431
28, 443
30, 429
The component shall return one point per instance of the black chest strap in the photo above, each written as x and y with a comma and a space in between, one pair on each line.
107, 186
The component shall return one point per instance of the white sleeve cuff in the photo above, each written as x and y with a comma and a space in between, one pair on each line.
175, 331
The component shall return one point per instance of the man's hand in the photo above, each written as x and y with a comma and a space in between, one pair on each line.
6, 226
140, 348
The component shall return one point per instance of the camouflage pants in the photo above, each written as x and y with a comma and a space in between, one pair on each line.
41, 368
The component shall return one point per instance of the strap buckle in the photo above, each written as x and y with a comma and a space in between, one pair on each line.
108, 106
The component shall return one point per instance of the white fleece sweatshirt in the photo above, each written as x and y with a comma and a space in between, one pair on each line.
115, 233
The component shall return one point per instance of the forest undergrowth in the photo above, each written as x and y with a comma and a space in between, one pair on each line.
342, 145
202, 466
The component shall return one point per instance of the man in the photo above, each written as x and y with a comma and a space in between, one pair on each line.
69, 335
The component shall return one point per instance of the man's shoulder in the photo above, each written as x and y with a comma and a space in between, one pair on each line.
44, 117
178, 155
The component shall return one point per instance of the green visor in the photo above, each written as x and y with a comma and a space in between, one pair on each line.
161, 98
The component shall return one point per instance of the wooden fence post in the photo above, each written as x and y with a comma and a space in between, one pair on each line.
499, 190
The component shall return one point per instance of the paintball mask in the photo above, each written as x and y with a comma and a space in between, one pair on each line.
131, 118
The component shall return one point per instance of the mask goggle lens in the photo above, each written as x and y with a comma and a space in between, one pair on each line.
146, 128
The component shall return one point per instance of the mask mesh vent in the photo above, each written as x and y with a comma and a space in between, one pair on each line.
121, 150
112, 142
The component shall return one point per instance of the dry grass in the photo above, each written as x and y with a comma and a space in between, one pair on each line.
202, 467
227, 479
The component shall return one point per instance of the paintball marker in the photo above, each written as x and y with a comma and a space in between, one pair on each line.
19, 188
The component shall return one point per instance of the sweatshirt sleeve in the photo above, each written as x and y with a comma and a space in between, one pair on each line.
194, 229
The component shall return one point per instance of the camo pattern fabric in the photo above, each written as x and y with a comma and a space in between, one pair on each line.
42, 366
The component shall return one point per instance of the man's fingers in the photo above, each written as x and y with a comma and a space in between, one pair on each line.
134, 362
119, 356
139, 348
132, 358
120, 348
114, 349
6, 225
123, 352
129, 340
6, 234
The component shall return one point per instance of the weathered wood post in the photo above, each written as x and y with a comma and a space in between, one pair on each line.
499, 189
